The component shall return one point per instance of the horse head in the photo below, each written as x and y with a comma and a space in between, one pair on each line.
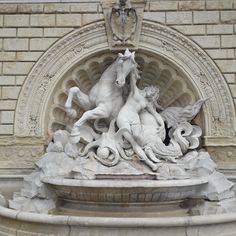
126, 64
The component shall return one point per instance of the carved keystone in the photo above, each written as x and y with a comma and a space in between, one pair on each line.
123, 20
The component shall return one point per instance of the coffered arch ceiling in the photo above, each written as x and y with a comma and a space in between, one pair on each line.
182, 71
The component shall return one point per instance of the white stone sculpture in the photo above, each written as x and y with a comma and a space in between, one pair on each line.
136, 118
124, 133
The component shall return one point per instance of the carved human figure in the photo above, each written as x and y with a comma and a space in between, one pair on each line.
129, 119
153, 130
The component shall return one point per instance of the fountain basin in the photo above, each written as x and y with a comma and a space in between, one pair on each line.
14, 222
125, 191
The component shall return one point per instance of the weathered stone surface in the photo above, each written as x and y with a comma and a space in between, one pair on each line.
72, 20
207, 41
30, 8
163, 5
16, 20
30, 32
19, 68
89, 18
7, 117
54, 8
16, 44
27, 56
176, 18
218, 4
55, 164
228, 41
84, 7
227, 65
191, 5
41, 44
220, 29
42, 20
218, 187
206, 17
191, 29
7, 56
8, 8
7, 80
20, 79
233, 89
7, 105
32, 205
228, 16
230, 78
22, 156
155, 16
7, 32
10, 92
6, 129
56, 32
1, 20
221, 53
3, 201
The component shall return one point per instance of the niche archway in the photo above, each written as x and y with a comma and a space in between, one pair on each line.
181, 69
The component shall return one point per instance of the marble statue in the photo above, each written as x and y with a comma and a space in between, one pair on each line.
135, 115
123, 133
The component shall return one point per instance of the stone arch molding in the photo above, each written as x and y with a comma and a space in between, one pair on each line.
203, 74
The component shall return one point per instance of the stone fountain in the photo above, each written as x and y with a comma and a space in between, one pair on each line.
126, 165
126, 156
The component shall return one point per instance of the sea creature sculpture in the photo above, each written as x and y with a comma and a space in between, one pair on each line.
108, 146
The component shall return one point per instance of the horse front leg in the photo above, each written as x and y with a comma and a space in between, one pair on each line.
97, 113
82, 98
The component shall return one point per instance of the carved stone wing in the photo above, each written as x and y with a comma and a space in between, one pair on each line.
177, 115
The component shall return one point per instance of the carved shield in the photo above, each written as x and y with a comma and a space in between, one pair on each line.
123, 24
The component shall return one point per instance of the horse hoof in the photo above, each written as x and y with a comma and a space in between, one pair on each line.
154, 168
172, 160
71, 113
75, 135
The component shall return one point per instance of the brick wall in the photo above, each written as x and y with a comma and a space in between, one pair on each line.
28, 30
211, 24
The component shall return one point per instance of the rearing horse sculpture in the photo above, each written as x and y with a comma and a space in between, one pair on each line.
105, 98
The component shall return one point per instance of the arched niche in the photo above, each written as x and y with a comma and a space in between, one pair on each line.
182, 70
174, 87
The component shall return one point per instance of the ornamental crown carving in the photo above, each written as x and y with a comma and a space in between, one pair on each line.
123, 21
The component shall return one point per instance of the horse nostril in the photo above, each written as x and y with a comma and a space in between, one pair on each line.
117, 82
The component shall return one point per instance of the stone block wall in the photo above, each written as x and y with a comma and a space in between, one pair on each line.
27, 30
211, 24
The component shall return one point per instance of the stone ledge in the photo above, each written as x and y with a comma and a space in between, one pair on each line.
111, 222
16, 140
20, 156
